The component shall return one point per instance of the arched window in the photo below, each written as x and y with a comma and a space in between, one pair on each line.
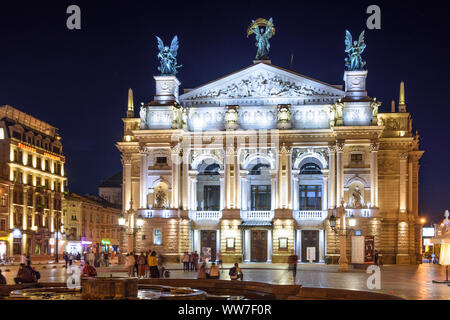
259, 168
310, 168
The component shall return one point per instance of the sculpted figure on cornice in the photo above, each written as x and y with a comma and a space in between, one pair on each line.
260, 84
143, 116
336, 112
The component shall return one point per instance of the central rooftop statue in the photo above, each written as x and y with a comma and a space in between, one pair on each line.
263, 30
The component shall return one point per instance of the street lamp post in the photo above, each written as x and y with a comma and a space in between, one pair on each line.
343, 233
57, 232
132, 229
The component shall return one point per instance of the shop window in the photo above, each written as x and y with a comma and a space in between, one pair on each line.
157, 237
17, 246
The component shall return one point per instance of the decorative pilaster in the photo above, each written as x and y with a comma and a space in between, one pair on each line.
244, 195
143, 177
229, 164
237, 187
403, 182
126, 162
185, 182
325, 190
222, 189
374, 174
193, 189
295, 191
273, 175
176, 162
340, 172
332, 176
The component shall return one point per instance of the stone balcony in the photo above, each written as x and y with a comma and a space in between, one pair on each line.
159, 213
257, 215
205, 218
310, 217
362, 213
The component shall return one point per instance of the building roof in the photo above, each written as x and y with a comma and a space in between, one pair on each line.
113, 182
95, 200
11, 113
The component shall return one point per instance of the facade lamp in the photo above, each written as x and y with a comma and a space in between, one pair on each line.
332, 221
140, 221
352, 221
121, 220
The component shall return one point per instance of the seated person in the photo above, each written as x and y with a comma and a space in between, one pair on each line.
202, 271
88, 270
236, 272
213, 272
25, 275
2, 278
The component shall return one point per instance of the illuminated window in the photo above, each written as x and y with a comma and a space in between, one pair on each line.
157, 237
2, 134
310, 197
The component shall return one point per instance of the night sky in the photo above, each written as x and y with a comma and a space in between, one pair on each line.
78, 80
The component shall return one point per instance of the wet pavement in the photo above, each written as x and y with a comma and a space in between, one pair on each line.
408, 281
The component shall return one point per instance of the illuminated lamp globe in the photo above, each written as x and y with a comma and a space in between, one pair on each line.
140, 221
352, 221
332, 221
121, 220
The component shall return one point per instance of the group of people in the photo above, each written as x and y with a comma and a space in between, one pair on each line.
97, 259
27, 274
144, 265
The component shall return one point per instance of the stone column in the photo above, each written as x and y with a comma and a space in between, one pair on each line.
244, 195
236, 189
229, 161
222, 189
280, 190
325, 190
332, 176
185, 182
374, 174
193, 190
143, 177
25, 208
340, 173
295, 192
52, 213
126, 162
274, 189
403, 181
288, 180
175, 177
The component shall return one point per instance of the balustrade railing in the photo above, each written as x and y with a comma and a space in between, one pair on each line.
205, 215
257, 215
310, 215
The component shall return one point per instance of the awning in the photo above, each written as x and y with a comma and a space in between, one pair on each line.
246, 224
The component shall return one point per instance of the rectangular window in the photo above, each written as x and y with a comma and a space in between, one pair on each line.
356, 157
30, 179
310, 197
157, 237
30, 160
161, 160
38, 181
211, 196
261, 197
38, 162
2, 134
2, 224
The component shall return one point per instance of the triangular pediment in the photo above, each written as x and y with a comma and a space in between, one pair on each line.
262, 84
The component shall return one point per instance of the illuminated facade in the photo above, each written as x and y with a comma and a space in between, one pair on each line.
91, 224
254, 163
32, 163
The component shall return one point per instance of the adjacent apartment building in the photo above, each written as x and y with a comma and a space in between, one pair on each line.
32, 182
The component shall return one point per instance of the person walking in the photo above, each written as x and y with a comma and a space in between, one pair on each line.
136, 264
97, 258
185, 262
195, 257
141, 265
292, 260
202, 271
91, 258
147, 268
214, 272
129, 264
70, 259
191, 262
66, 258
106, 258
153, 265
161, 265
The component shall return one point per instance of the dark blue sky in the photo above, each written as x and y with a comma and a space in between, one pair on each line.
78, 80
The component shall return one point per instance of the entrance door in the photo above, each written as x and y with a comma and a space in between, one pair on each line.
259, 246
310, 239
208, 244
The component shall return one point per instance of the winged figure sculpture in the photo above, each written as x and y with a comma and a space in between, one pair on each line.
354, 49
167, 57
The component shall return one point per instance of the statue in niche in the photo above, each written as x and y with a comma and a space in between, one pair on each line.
160, 199
262, 36
357, 198
167, 57
354, 61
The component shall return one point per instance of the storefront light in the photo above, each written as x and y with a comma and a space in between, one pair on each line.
122, 220
352, 221
140, 221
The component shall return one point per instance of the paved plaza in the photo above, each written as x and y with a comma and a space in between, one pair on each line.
408, 282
